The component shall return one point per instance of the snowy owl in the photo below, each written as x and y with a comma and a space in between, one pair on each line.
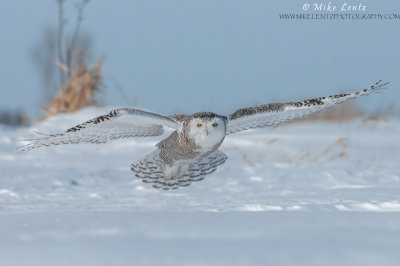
192, 150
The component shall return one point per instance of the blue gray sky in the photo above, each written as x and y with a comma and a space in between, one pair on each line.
188, 56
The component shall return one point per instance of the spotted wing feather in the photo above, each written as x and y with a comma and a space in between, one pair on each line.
278, 113
119, 123
150, 170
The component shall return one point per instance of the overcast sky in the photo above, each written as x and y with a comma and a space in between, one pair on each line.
189, 56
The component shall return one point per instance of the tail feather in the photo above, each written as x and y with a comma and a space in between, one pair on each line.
151, 169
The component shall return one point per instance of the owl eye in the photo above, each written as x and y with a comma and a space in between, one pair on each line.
199, 125
215, 124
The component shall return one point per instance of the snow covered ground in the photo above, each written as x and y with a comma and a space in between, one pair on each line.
301, 194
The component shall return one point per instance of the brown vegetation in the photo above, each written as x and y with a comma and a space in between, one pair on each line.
78, 91
76, 84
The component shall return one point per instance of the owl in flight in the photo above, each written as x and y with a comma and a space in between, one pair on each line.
192, 150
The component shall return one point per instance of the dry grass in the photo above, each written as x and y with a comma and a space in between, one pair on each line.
340, 142
338, 149
79, 89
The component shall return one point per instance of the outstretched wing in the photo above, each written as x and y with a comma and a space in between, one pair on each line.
277, 113
151, 170
119, 123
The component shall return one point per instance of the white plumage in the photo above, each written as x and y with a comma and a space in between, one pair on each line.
191, 151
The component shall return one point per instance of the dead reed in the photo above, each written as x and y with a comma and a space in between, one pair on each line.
79, 89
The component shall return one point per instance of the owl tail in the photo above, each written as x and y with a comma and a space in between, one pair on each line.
152, 168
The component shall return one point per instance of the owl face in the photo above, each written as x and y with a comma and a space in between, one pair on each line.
206, 132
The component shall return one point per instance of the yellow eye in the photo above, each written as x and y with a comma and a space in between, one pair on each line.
215, 124
199, 125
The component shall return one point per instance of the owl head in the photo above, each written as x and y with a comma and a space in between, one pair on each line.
206, 129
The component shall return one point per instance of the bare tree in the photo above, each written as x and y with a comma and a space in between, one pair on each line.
67, 54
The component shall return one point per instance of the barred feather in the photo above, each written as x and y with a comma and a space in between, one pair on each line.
151, 170
119, 123
277, 113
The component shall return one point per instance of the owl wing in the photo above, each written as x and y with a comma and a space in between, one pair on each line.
277, 113
150, 170
119, 123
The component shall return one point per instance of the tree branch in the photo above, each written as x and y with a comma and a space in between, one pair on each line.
71, 47
60, 36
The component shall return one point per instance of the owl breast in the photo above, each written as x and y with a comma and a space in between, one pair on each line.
177, 148
177, 154
208, 142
